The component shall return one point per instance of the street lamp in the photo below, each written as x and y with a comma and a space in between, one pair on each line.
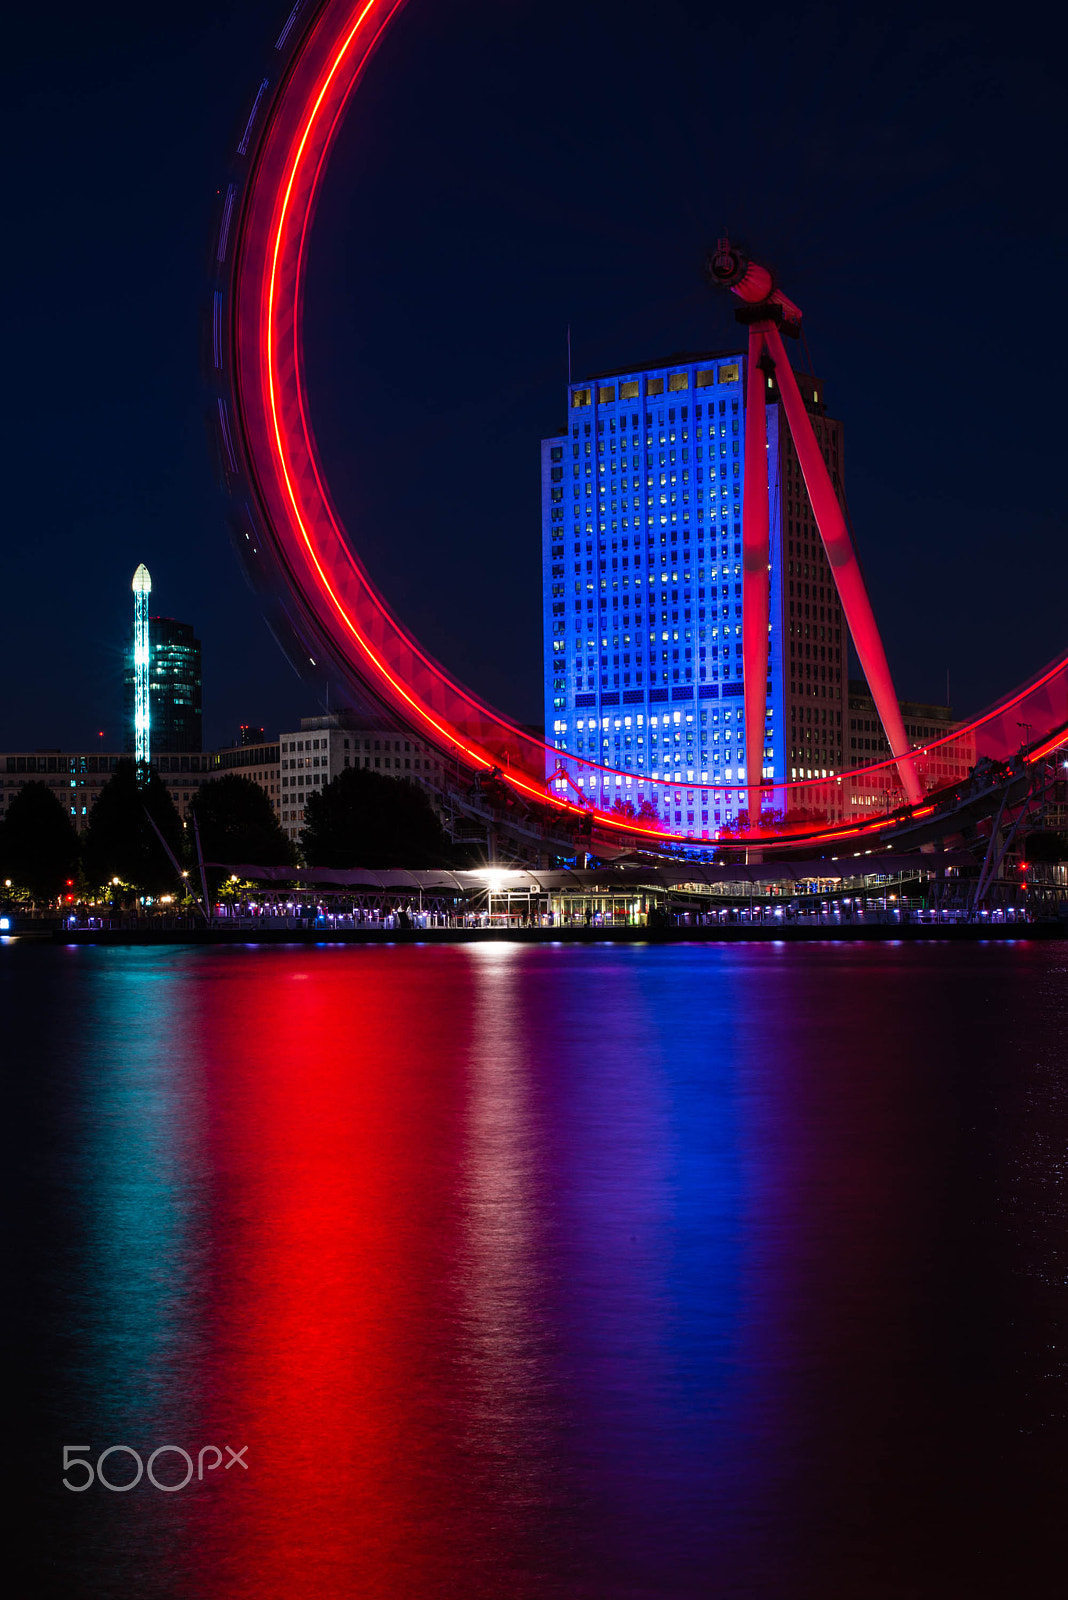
493, 881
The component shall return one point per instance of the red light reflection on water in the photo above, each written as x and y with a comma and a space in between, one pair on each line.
372, 1227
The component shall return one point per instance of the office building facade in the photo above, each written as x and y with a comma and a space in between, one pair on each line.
326, 745
287, 769
642, 500
928, 725
257, 760
78, 776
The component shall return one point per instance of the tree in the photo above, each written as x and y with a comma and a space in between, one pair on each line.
38, 843
238, 823
120, 842
363, 819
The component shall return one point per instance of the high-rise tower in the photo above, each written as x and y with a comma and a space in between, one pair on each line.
642, 499
162, 711
142, 720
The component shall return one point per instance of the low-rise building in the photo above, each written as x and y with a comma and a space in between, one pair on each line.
183, 774
258, 761
326, 745
866, 745
78, 776
287, 769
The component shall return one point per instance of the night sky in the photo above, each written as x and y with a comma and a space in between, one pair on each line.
509, 169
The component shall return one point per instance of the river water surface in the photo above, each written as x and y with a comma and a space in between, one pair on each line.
635, 1273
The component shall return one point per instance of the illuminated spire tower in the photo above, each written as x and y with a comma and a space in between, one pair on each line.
142, 588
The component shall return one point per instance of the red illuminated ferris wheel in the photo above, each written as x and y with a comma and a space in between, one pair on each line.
322, 604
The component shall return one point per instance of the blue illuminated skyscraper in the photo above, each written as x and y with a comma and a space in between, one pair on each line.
642, 500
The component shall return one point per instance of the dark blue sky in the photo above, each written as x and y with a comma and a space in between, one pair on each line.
508, 169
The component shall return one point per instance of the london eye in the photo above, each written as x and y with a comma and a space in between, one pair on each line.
330, 618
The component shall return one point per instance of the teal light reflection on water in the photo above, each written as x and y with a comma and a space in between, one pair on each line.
139, 1189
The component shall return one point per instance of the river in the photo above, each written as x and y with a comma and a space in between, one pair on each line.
538, 1273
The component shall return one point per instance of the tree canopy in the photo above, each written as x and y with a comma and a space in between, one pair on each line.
121, 843
363, 819
238, 823
38, 843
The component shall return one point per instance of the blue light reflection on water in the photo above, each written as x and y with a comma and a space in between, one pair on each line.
140, 1164
703, 1267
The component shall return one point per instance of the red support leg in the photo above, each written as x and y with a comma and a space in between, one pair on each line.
755, 568
844, 565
